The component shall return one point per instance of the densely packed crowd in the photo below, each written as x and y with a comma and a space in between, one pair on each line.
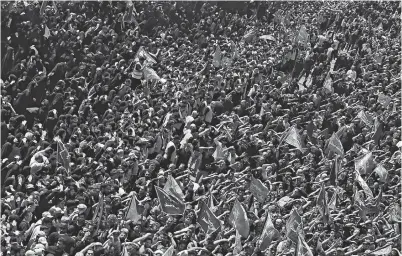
192, 128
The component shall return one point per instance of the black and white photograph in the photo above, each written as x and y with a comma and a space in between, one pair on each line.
200, 128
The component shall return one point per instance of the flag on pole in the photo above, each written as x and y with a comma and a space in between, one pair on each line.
141, 53
395, 213
322, 204
150, 74
258, 189
328, 84
43, 8
235, 51
169, 251
269, 234
172, 188
207, 219
367, 119
383, 251
384, 100
294, 226
239, 220
332, 202
303, 36
363, 184
365, 164
293, 138
333, 176
310, 131
302, 248
135, 210
47, 32
237, 246
335, 145
170, 204
217, 60
378, 132
249, 36
359, 204
381, 172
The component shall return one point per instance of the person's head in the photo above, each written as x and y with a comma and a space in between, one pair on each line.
90, 252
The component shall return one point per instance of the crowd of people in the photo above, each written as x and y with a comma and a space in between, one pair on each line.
200, 128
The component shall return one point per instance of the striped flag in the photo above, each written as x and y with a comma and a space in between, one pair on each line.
141, 53
269, 234
258, 189
170, 204
239, 220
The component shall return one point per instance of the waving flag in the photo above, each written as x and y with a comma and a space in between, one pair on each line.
322, 204
170, 204
310, 131
363, 184
328, 84
381, 172
365, 164
367, 119
302, 248
335, 145
150, 74
249, 36
384, 100
63, 156
378, 132
303, 36
141, 53
294, 226
269, 234
237, 246
207, 219
239, 220
383, 251
332, 202
395, 213
293, 138
135, 210
47, 32
172, 188
333, 176
258, 189
169, 251
217, 60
